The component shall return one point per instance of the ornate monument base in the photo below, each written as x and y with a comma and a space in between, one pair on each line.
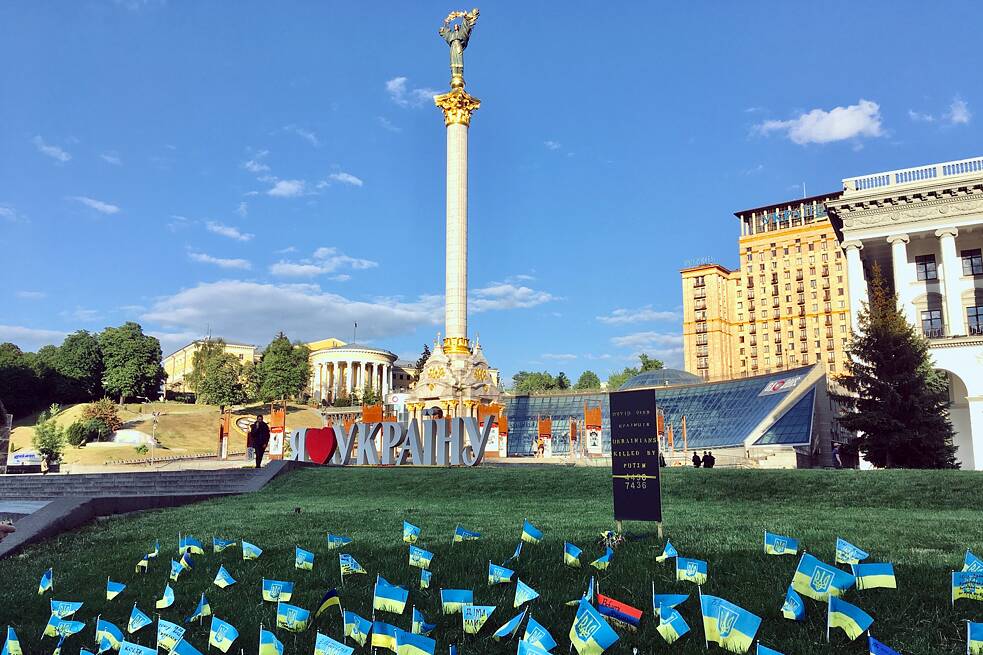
454, 382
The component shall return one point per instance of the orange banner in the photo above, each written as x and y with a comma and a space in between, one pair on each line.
546, 427
685, 444
278, 415
573, 430
670, 439
503, 426
371, 413
592, 417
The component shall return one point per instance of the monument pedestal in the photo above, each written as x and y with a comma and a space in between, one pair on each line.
454, 382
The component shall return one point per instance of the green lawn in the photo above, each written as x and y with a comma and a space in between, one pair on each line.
921, 521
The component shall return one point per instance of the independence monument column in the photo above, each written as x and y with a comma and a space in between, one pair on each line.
456, 378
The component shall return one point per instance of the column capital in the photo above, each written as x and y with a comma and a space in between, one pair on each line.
947, 232
457, 106
855, 244
896, 238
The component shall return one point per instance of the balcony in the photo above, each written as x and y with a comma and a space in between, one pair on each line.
906, 176
933, 332
976, 330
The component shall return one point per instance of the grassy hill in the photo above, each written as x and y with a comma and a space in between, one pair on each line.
921, 521
182, 430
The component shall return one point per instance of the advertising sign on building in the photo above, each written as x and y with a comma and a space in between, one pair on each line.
780, 386
635, 456
592, 425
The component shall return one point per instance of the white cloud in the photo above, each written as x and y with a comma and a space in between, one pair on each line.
83, 314
346, 178
402, 95
292, 269
287, 189
503, 295
820, 126
622, 316
111, 158
958, 113
254, 312
341, 277
228, 231
919, 117
562, 357
30, 339
643, 340
552, 145
98, 205
256, 164
243, 209
388, 124
10, 214
327, 260
284, 251
32, 295
202, 258
307, 135
54, 152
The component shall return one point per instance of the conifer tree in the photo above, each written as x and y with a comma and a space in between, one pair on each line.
896, 401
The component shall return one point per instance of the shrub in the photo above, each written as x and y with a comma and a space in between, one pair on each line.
105, 410
142, 449
97, 430
76, 434
48, 439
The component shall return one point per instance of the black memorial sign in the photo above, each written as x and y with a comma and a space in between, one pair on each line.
635, 456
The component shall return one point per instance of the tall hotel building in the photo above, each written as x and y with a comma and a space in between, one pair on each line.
786, 306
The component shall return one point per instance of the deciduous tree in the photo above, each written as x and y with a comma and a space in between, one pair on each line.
131, 362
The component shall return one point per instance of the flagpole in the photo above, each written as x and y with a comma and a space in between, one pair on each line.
706, 642
828, 603
96, 636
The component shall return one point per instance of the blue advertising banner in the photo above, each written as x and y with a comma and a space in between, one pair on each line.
635, 456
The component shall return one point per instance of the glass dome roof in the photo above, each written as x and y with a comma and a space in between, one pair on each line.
664, 377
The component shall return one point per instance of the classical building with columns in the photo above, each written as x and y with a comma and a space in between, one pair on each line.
924, 227
344, 370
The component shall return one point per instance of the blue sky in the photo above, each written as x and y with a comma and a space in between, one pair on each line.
253, 167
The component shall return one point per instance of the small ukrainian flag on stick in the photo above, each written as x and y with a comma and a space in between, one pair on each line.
571, 555
303, 559
877, 648
777, 544
974, 638
874, 576
411, 533
850, 618
530, 533
47, 582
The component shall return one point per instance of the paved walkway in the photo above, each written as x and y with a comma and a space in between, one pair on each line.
15, 509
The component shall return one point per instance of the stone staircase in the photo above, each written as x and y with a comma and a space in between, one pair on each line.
144, 483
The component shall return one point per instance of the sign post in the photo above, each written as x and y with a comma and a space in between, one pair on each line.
635, 471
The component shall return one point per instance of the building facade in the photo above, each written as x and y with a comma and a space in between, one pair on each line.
924, 227
344, 370
179, 365
786, 306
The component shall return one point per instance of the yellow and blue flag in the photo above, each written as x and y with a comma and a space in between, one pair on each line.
292, 618
764, 650
349, 565
877, 648
727, 624
847, 553
184, 648
223, 578
167, 599
974, 638
452, 600
818, 580
874, 576
61, 628
189, 543
571, 555
275, 591
384, 635
538, 635
966, 584
499, 574
357, 628
474, 617
530, 533
691, 570
420, 558
176, 571
201, 611
667, 552
168, 634
590, 634
460, 534
337, 541
331, 599
218, 545
589, 595
523, 594
388, 597
64, 608
972, 563
156, 551
325, 645
108, 632
425, 578
661, 602
113, 589
793, 608
129, 648
138, 620
408, 643
515, 555
269, 644
602, 562
529, 648
510, 627
853, 620
410, 533
144, 564
419, 625
777, 544
303, 559
221, 634
250, 551
11, 645
47, 582
186, 562
672, 625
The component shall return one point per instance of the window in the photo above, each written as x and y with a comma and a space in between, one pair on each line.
699, 281
972, 262
925, 266
932, 323
975, 316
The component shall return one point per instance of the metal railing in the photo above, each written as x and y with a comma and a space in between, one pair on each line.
934, 332
915, 174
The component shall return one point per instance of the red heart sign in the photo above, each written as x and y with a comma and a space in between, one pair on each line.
320, 443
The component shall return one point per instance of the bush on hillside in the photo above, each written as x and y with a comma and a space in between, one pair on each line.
105, 410
76, 434
48, 439
97, 430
